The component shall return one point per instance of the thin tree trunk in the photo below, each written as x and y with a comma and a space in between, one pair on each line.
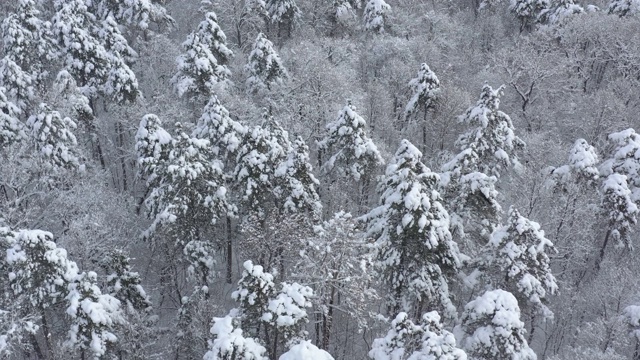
123, 165
327, 322
229, 251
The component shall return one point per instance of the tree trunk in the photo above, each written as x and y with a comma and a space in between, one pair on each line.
327, 321
229, 252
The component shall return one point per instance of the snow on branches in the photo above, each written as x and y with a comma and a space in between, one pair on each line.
353, 152
415, 251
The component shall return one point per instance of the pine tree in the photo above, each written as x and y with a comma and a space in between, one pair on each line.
27, 46
492, 135
263, 149
125, 284
494, 329
187, 193
305, 350
83, 55
42, 275
623, 160
619, 209
624, 7
528, 11
264, 66
343, 11
425, 88
153, 144
409, 341
229, 343
471, 195
297, 184
224, 133
11, 129
200, 71
18, 84
520, 262
255, 289
559, 11
210, 33
138, 13
416, 255
274, 315
353, 153
121, 83
54, 138
581, 167
284, 13
94, 316
375, 15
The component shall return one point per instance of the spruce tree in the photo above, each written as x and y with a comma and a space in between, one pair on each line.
415, 253
11, 128
284, 13
518, 259
201, 68
375, 15
493, 328
492, 134
624, 7
426, 339
264, 66
54, 138
351, 152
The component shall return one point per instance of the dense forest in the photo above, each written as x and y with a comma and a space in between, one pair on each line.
319, 179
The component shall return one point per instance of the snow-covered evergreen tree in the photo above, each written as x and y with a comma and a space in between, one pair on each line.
619, 209
83, 55
27, 47
305, 350
407, 340
273, 172
264, 66
11, 128
528, 11
519, 255
187, 194
255, 289
229, 343
375, 15
121, 83
284, 13
224, 133
493, 328
123, 283
201, 68
425, 89
53, 137
266, 311
349, 148
138, 13
297, 184
94, 316
624, 7
416, 255
559, 11
492, 135
581, 167
19, 84
471, 196
623, 161
153, 144
43, 275
210, 33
